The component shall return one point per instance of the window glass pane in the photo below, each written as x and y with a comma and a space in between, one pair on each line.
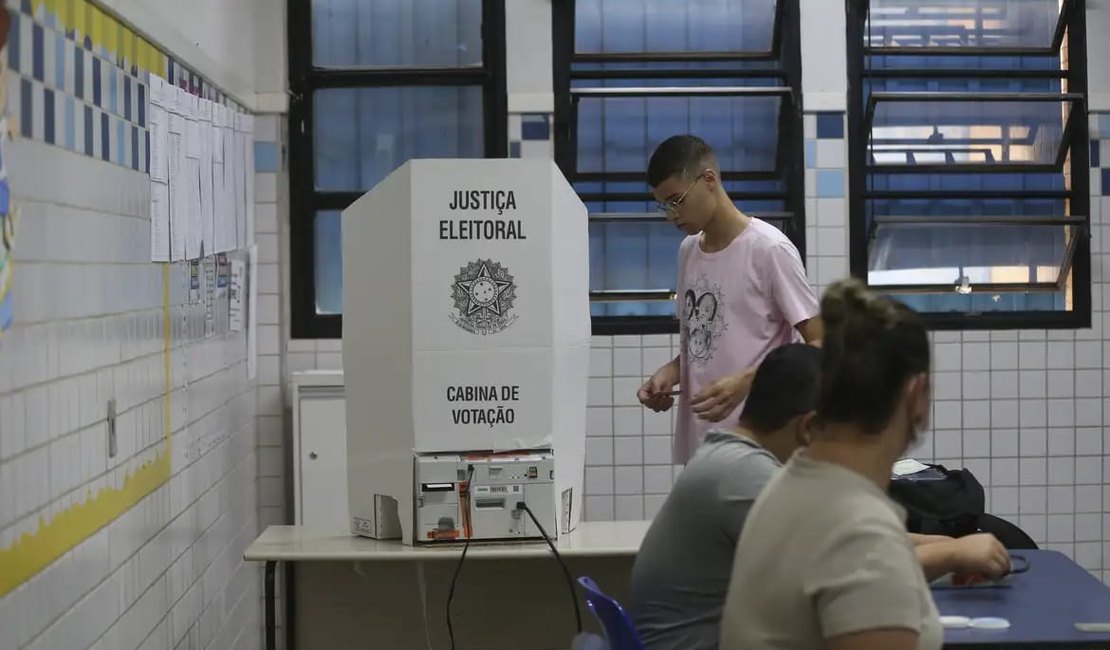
925, 131
618, 134
976, 303
363, 134
329, 263
612, 26
726, 68
972, 65
395, 33
962, 23
942, 254
628, 308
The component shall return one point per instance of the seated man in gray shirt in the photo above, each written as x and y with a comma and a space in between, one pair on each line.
682, 571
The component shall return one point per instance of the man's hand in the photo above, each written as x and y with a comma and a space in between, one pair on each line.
655, 391
980, 555
722, 396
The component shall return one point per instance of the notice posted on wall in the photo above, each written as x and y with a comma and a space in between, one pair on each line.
235, 294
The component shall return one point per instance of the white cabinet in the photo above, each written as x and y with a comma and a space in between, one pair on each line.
320, 451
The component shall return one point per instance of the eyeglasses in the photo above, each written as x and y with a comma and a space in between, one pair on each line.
671, 207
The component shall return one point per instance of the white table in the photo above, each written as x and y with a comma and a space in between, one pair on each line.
606, 547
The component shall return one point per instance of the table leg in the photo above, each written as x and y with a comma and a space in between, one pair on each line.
271, 623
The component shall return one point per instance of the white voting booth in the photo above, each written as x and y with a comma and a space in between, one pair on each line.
466, 334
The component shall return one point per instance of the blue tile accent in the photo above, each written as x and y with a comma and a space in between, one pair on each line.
1094, 154
535, 127
26, 113
38, 43
266, 157
1106, 181
96, 82
25, 7
1103, 122
121, 142
48, 116
113, 90
79, 73
71, 123
830, 183
142, 105
88, 43
146, 165
13, 43
830, 125
135, 147
60, 62
514, 150
127, 98
170, 65
88, 130
105, 137
811, 154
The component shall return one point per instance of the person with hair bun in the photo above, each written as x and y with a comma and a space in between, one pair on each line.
824, 560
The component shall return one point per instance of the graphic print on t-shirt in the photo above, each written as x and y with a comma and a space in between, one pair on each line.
702, 320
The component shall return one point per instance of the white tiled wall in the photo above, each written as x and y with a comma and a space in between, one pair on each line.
89, 327
271, 217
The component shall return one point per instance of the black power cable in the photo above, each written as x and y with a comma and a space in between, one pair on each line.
566, 572
468, 531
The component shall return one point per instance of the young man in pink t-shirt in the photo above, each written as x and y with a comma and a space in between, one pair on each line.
742, 292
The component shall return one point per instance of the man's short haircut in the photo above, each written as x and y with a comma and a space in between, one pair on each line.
787, 384
678, 155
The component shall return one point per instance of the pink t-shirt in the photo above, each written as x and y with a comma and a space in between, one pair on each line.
734, 306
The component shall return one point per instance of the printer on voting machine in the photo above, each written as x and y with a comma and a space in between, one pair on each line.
466, 337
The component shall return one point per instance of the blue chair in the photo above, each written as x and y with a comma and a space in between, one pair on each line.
619, 630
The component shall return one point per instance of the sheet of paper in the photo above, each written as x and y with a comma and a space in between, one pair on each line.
159, 222
249, 133
195, 228
908, 466
157, 88
235, 294
231, 184
178, 193
209, 296
217, 153
206, 205
241, 188
252, 313
194, 282
159, 128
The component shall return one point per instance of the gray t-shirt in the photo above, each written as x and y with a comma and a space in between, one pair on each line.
825, 554
681, 574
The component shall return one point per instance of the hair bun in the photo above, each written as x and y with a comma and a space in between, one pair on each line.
848, 303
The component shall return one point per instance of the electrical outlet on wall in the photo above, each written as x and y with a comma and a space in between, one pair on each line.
112, 428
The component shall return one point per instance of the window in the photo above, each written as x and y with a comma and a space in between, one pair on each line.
375, 83
628, 75
969, 158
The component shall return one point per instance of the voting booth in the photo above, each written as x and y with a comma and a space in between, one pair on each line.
466, 334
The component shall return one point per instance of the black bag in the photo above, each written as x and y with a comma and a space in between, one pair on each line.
950, 504
1012, 537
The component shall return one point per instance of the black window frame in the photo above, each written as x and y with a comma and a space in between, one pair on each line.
1074, 142
790, 154
305, 200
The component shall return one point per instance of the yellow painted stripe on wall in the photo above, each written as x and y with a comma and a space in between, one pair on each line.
33, 552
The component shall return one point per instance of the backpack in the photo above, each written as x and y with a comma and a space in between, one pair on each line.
940, 501
1012, 537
